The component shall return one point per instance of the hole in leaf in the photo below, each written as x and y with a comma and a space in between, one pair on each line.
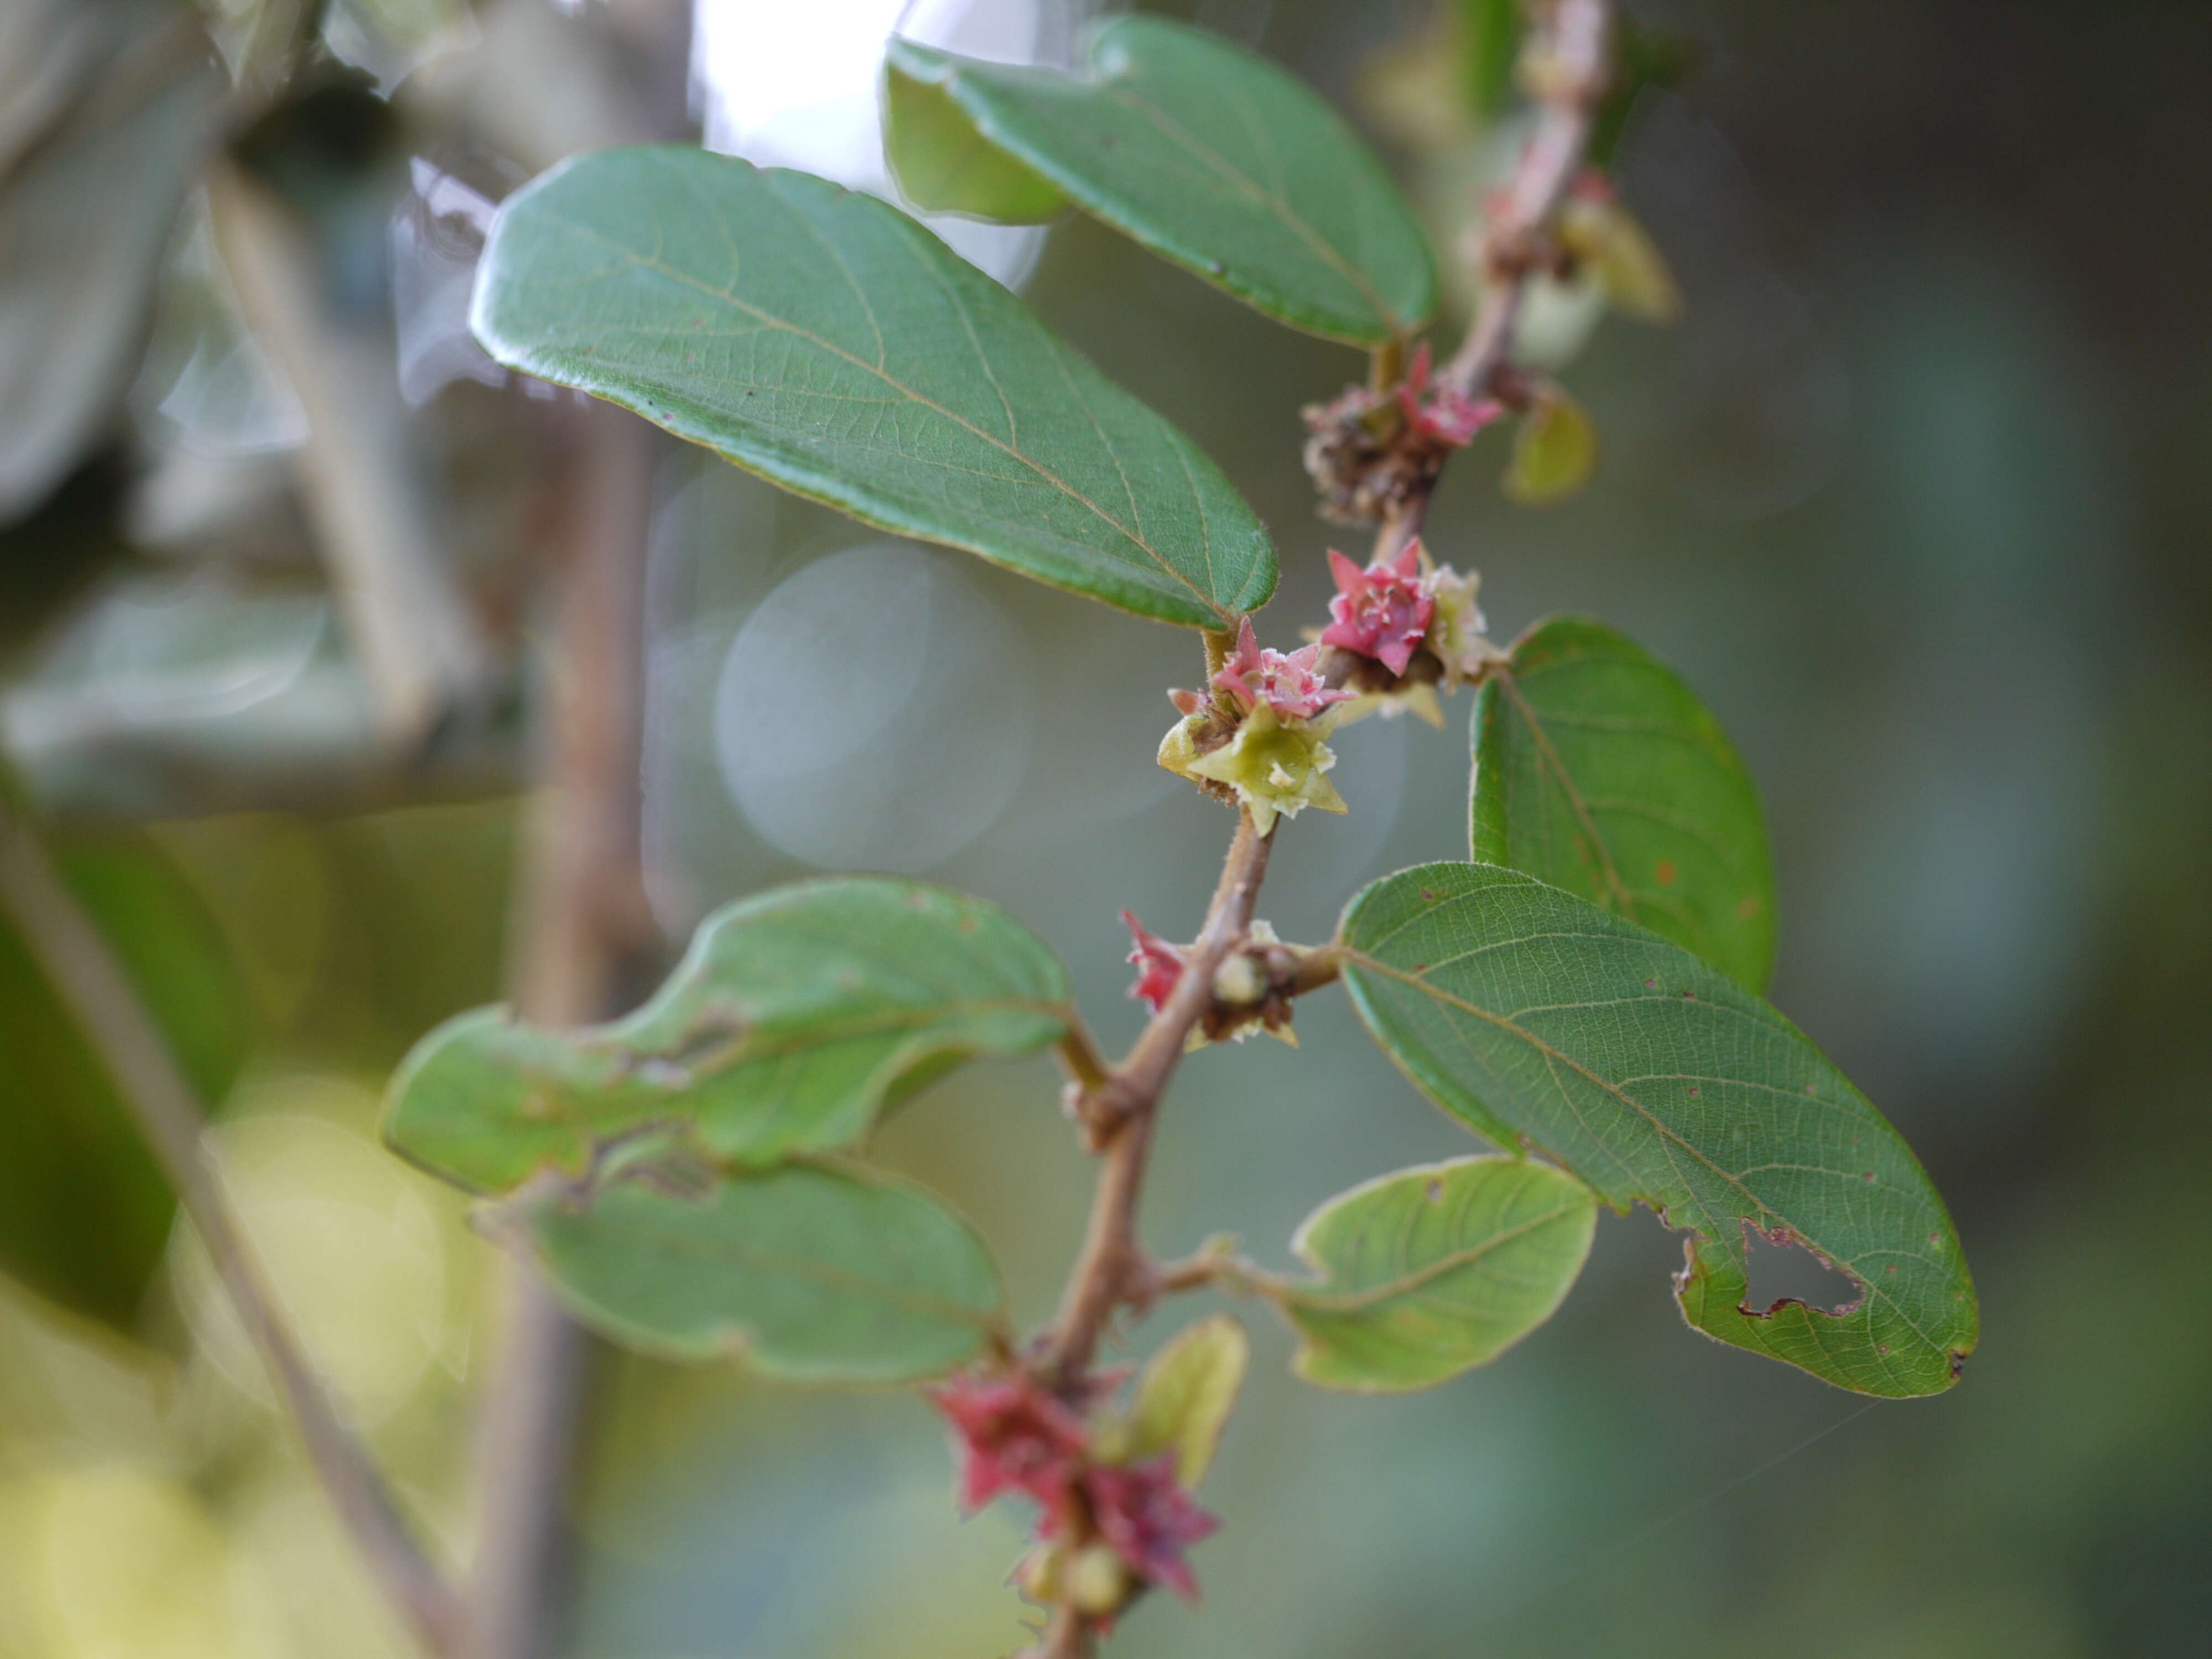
1780, 1268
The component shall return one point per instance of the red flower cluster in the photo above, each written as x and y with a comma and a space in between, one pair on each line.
1383, 611
1445, 415
1289, 683
1017, 1436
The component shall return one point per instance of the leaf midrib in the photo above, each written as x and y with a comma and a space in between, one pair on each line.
691, 1248
1548, 758
1406, 1284
1277, 207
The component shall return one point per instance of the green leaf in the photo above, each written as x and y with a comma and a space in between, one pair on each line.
795, 1018
1433, 1271
1597, 770
1554, 451
1545, 1022
1186, 1394
1212, 158
830, 344
943, 165
812, 1273
84, 1210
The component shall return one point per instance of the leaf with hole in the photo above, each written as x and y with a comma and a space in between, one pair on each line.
1186, 1394
1206, 154
830, 344
1433, 1271
810, 1273
1597, 770
1545, 1022
795, 1018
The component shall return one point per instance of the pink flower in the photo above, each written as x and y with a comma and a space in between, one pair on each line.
1382, 611
1014, 1437
1289, 684
1160, 964
1149, 1519
1445, 415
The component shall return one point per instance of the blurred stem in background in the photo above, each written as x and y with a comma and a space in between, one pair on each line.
101, 998
581, 931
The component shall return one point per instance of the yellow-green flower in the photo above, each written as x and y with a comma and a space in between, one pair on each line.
1275, 767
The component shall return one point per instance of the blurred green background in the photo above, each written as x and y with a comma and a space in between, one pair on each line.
1916, 495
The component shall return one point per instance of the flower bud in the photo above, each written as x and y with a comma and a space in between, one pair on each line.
1096, 1581
1238, 982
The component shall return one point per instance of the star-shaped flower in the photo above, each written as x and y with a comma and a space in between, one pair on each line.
1150, 1520
1015, 1435
1382, 611
1160, 964
1288, 683
1275, 767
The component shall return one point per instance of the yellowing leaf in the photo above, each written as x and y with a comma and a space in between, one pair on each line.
1187, 1392
1554, 451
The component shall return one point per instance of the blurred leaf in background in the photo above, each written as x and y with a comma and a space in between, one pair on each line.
84, 1213
103, 110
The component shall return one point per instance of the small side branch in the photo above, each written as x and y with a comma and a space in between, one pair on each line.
1566, 65
107, 1007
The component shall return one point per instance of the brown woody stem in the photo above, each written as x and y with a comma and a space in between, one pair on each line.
1108, 1267
1568, 56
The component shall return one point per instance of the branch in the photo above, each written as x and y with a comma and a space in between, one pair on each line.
411, 629
1565, 65
1121, 1110
106, 1008
580, 924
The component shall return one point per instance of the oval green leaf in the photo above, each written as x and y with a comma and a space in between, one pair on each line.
1186, 1394
828, 343
810, 1273
794, 1020
1433, 1271
1543, 1022
1212, 158
1597, 770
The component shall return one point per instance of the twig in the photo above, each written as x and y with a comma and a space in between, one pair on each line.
107, 1009
410, 629
580, 921
1126, 1105
1566, 68
1566, 64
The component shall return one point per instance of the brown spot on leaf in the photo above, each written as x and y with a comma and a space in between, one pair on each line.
1663, 872
1436, 1189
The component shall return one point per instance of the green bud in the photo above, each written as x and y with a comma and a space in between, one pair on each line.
1096, 1582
